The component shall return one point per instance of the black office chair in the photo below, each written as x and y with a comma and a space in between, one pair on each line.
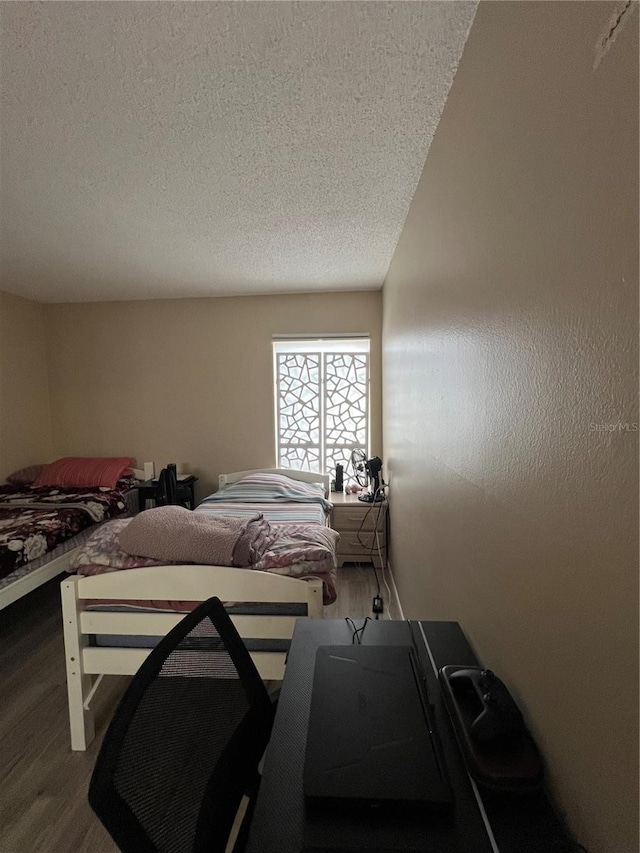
185, 742
166, 491
169, 492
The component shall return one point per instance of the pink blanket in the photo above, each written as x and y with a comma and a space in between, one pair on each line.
177, 535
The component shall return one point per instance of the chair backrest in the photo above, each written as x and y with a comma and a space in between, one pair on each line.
167, 490
185, 742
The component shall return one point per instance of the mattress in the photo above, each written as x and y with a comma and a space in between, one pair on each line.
281, 513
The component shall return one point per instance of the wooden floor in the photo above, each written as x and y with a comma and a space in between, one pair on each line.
43, 784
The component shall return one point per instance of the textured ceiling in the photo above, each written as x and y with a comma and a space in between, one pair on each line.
194, 149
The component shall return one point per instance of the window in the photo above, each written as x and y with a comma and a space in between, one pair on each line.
322, 402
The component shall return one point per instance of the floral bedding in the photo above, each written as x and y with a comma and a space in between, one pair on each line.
301, 551
33, 521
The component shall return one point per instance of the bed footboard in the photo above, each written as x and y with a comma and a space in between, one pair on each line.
87, 664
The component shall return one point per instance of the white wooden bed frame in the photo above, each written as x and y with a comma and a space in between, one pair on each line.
87, 665
27, 583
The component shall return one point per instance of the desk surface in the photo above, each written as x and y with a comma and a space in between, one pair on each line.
480, 824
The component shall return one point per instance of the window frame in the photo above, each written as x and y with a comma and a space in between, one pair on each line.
322, 346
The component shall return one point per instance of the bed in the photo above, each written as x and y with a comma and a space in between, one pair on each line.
42, 526
114, 614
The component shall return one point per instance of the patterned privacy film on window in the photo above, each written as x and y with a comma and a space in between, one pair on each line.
321, 407
345, 411
300, 458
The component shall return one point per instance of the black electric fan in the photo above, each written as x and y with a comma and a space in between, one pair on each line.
365, 470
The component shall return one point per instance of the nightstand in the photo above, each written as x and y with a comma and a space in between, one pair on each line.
357, 523
147, 490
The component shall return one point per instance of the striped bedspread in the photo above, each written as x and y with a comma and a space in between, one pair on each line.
280, 499
282, 513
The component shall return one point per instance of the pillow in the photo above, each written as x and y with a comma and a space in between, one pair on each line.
76, 471
269, 481
262, 486
25, 476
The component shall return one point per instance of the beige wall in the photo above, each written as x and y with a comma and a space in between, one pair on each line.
510, 333
187, 380
25, 421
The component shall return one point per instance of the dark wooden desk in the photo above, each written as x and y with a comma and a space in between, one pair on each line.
479, 824
148, 490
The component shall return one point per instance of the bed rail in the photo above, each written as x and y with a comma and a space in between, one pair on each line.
87, 664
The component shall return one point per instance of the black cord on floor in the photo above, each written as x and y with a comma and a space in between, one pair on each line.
356, 636
372, 549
